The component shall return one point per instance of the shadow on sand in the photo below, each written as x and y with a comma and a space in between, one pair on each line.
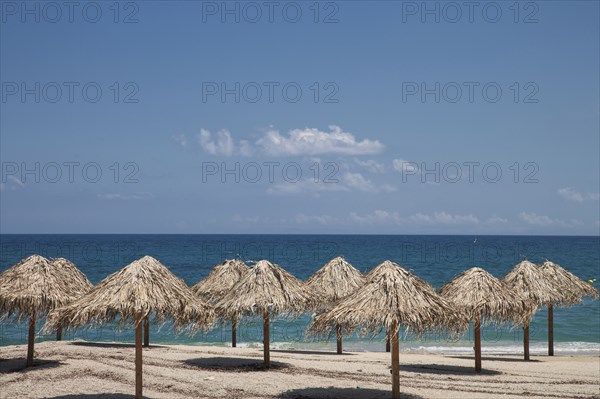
497, 359
444, 369
345, 393
97, 396
233, 364
111, 345
302, 352
18, 365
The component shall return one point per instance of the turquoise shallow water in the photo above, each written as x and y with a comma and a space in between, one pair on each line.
436, 259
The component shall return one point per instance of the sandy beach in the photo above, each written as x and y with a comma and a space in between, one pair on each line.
103, 370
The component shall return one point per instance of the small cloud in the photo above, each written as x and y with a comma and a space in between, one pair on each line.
358, 182
181, 139
126, 197
222, 144
310, 141
347, 182
404, 166
371, 165
377, 217
443, 218
546, 221
245, 219
321, 219
496, 220
571, 194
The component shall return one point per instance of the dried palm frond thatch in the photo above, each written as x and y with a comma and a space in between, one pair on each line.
218, 283
35, 286
220, 280
78, 283
392, 298
141, 288
334, 281
526, 280
268, 290
485, 299
572, 288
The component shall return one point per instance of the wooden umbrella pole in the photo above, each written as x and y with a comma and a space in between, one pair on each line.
387, 341
146, 332
477, 333
395, 361
266, 339
138, 356
550, 330
339, 339
59, 332
526, 340
31, 339
233, 332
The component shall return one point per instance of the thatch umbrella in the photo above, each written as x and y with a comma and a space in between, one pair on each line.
141, 288
77, 282
35, 286
219, 282
529, 282
484, 299
572, 288
334, 281
393, 298
265, 289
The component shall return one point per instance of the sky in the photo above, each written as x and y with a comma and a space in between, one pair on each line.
347, 117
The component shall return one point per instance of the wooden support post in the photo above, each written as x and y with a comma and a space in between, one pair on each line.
339, 339
526, 340
387, 341
146, 332
233, 332
550, 330
31, 339
138, 356
477, 333
395, 361
59, 332
266, 339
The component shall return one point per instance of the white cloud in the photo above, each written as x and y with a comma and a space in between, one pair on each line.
404, 166
496, 220
358, 182
181, 139
444, 218
570, 194
371, 165
321, 219
135, 196
347, 182
377, 217
301, 142
546, 221
223, 143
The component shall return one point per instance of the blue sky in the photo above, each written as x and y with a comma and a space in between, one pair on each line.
366, 117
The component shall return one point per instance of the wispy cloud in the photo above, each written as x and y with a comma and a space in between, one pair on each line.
371, 165
438, 218
297, 142
546, 221
571, 194
126, 197
382, 217
346, 182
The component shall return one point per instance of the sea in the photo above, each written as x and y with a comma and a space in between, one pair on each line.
434, 258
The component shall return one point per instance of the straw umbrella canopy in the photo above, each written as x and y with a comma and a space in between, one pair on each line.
394, 298
219, 282
141, 288
77, 282
485, 299
334, 281
265, 289
35, 286
572, 288
529, 282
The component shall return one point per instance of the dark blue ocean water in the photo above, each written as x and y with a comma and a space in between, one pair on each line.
436, 259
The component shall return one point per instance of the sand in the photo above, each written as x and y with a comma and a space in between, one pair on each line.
101, 370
